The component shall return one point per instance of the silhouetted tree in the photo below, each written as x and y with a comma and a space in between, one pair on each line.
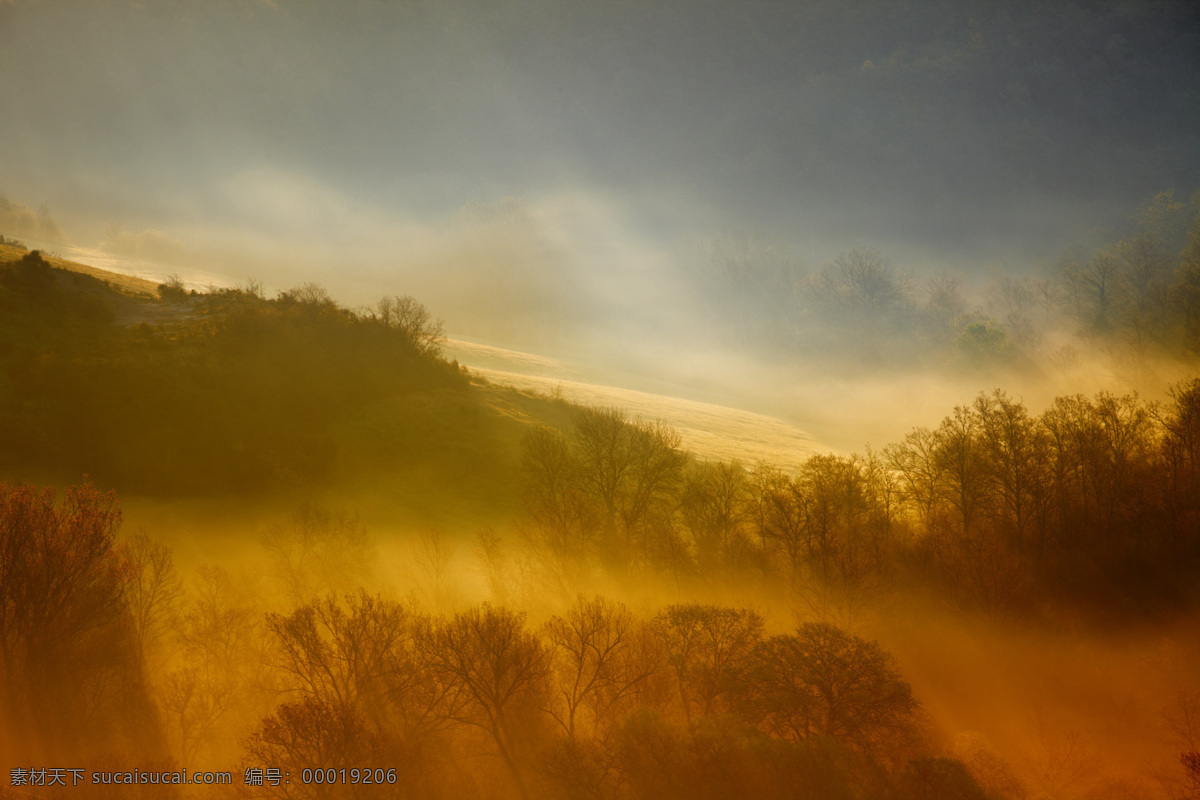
412, 319
70, 672
309, 734
921, 471
832, 492
708, 649
778, 519
822, 681
566, 519
1180, 424
363, 666
496, 672
317, 551
929, 778
603, 659
312, 296
631, 471
1191, 772
1015, 457
152, 589
715, 507
993, 774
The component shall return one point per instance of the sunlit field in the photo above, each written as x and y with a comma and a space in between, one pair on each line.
708, 430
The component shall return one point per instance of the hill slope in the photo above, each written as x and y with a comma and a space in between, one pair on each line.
230, 392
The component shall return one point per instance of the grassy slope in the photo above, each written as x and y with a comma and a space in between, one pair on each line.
123, 284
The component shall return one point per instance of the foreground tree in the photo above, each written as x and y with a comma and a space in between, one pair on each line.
310, 734
824, 682
604, 661
70, 672
358, 666
708, 648
497, 672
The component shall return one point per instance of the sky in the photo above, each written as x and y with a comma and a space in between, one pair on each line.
492, 156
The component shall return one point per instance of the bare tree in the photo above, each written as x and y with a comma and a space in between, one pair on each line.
822, 681
219, 645
309, 295
411, 318
310, 734
960, 454
1014, 451
833, 497
194, 699
434, 554
631, 471
567, 518
708, 648
778, 513
68, 661
363, 653
1093, 286
994, 774
497, 670
1180, 426
1183, 722
864, 297
317, 551
152, 589
922, 473
602, 659
1062, 763
716, 510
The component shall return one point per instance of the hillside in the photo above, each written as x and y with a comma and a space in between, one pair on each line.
230, 392
123, 284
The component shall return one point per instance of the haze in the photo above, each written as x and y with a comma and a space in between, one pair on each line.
712, 357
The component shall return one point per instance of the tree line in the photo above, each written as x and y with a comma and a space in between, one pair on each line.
1094, 502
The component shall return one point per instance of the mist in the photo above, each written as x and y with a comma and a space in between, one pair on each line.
660, 360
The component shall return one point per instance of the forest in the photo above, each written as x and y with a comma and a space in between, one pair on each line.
603, 615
